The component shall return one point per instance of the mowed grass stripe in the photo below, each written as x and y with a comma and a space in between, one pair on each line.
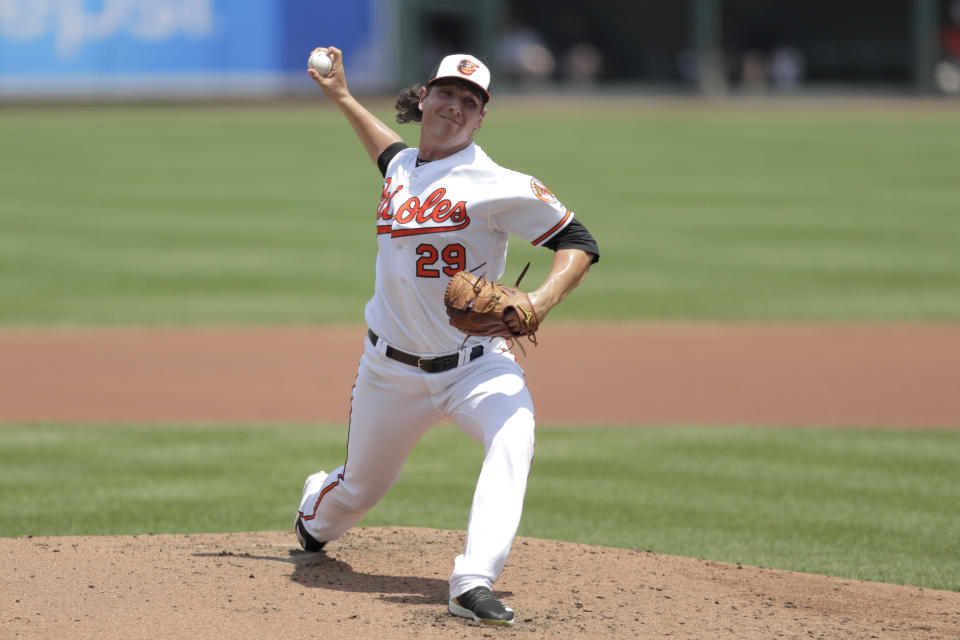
877, 505
132, 215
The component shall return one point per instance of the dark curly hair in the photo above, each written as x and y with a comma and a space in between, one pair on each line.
408, 105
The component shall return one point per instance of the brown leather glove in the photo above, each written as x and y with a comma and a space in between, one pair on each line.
479, 307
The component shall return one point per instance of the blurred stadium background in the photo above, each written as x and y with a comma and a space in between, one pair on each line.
82, 49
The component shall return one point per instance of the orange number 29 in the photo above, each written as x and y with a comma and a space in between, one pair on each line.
454, 257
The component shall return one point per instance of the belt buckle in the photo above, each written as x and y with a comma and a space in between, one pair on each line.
420, 366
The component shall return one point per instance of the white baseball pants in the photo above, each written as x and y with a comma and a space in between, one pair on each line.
393, 405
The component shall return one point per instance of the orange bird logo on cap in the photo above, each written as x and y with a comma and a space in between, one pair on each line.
467, 67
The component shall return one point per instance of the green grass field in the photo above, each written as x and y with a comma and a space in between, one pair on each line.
854, 503
264, 215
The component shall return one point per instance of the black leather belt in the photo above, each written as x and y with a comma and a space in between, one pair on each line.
429, 365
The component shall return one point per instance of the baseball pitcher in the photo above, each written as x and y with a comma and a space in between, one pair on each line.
440, 325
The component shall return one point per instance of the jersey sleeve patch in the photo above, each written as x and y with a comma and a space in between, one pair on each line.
541, 191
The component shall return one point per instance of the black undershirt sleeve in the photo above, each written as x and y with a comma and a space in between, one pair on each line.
387, 155
574, 236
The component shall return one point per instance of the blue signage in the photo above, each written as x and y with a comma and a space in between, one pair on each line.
64, 44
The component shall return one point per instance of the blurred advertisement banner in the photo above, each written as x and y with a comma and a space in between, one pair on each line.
72, 47
62, 31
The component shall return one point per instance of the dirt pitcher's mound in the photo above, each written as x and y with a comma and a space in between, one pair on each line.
392, 583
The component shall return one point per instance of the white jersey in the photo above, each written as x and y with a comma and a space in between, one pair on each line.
437, 219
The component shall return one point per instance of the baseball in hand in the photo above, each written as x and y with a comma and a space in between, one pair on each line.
320, 62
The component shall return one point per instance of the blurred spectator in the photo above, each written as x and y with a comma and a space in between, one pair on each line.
583, 63
523, 54
947, 71
781, 69
754, 71
575, 37
950, 34
787, 66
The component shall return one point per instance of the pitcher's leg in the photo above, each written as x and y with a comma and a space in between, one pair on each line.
386, 421
499, 414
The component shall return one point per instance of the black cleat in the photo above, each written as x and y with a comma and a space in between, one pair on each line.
307, 541
479, 604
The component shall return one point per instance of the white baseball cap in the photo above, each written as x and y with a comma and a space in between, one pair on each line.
463, 66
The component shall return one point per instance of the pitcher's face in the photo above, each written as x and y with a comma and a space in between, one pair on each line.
452, 111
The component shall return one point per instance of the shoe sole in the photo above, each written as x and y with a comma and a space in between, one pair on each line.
462, 612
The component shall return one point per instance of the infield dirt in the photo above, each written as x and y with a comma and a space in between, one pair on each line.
391, 582
819, 375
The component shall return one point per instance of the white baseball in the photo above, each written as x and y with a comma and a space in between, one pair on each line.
320, 62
